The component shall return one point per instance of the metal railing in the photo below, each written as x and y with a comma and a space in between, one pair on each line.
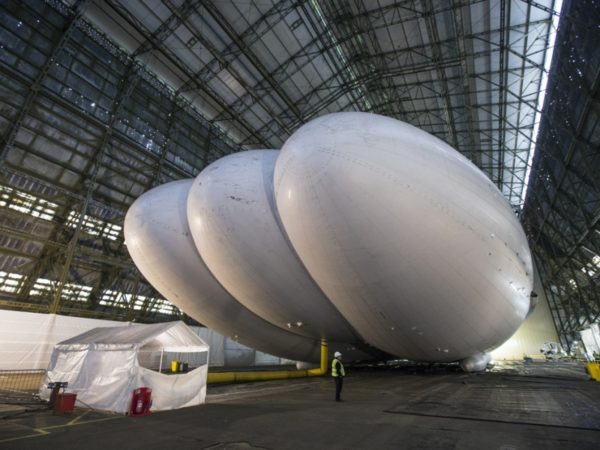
20, 386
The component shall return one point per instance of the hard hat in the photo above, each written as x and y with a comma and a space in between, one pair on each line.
337, 354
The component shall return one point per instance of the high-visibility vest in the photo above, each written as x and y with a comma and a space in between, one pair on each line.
337, 368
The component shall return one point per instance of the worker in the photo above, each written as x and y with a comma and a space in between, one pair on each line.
338, 373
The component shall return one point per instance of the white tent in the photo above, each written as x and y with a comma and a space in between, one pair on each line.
105, 365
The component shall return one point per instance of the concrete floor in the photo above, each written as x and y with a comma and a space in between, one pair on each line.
536, 406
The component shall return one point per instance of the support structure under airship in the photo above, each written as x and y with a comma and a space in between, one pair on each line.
363, 230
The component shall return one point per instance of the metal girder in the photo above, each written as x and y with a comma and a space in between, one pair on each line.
577, 131
464, 49
317, 47
231, 69
350, 41
126, 86
280, 71
522, 80
34, 89
482, 36
86, 119
35, 86
504, 37
181, 66
542, 7
399, 17
22, 306
166, 28
251, 35
166, 147
437, 57
329, 44
249, 54
503, 47
576, 245
90, 256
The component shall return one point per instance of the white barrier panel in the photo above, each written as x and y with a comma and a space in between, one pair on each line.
216, 342
27, 340
591, 339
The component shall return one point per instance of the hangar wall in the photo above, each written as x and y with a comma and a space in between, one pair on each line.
537, 329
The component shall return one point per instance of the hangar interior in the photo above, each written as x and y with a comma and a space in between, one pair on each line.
102, 100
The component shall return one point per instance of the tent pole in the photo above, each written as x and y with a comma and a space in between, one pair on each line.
160, 363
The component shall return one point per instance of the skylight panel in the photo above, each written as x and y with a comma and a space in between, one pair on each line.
10, 282
94, 226
26, 203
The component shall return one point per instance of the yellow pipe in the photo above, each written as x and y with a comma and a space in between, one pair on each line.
264, 375
322, 370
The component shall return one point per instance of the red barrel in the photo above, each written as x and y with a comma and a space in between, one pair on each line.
65, 403
141, 401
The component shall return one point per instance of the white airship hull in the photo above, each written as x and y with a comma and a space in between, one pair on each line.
368, 230
411, 242
159, 241
232, 217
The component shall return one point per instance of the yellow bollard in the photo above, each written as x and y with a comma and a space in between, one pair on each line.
593, 369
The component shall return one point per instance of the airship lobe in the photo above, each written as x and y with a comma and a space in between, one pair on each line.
409, 240
159, 242
232, 217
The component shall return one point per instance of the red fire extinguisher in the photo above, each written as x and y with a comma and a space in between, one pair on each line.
141, 401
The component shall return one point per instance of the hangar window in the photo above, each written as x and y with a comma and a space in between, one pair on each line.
93, 226
158, 305
591, 268
26, 203
114, 298
76, 292
138, 302
43, 286
588, 271
162, 306
70, 291
10, 282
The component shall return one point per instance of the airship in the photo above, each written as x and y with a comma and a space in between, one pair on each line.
362, 230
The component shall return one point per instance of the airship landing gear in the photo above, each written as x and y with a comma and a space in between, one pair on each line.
475, 363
